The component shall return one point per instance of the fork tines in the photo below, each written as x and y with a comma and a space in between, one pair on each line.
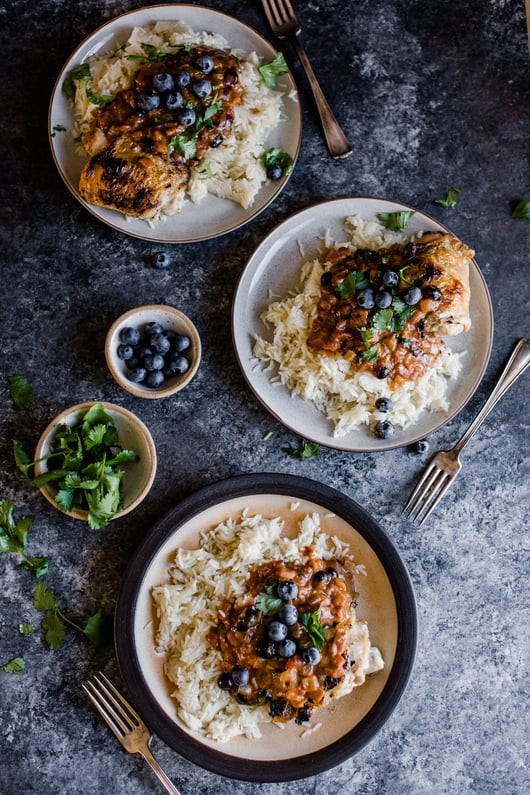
119, 716
427, 494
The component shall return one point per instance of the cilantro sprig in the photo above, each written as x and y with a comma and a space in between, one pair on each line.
271, 71
14, 536
96, 629
313, 627
185, 143
397, 221
450, 198
267, 601
84, 465
355, 280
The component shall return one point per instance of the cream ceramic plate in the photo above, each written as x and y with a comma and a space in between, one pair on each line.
386, 601
274, 268
213, 216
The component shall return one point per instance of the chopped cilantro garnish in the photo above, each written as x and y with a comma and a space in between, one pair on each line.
450, 198
80, 74
315, 630
355, 280
97, 99
267, 601
270, 71
57, 128
397, 221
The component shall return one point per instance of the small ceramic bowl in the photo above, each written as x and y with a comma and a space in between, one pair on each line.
132, 434
171, 320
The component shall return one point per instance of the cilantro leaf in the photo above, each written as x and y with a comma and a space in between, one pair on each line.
153, 54
21, 392
57, 128
79, 74
54, 630
450, 198
26, 629
184, 145
402, 313
397, 221
306, 450
14, 536
355, 280
98, 629
14, 666
268, 604
521, 210
382, 320
39, 566
22, 458
270, 71
315, 630
44, 598
97, 99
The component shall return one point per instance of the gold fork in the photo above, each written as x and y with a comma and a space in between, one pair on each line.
284, 25
126, 724
446, 464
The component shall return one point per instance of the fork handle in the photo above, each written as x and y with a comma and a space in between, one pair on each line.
162, 777
517, 364
335, 139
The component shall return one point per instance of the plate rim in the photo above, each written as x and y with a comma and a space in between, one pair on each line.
242, 768
92, 209
332, 442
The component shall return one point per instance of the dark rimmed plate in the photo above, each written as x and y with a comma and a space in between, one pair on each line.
386, 602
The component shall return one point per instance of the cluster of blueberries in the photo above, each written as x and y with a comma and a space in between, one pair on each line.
153, 355
382, 299
166, 91
384, 429
276, 641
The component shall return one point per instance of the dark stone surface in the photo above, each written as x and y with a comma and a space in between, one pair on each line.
431, 95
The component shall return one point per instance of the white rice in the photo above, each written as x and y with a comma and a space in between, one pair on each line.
234, 169
345, 396
187, 608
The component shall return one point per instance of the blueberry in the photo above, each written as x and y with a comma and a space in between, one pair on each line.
178, 364
152, 328
202, 88
322, 576
287, 590
163, 82
182, 78
148, 99
205, 63
160, 260
277, 630
390, 279
225, 681
154, 362
181, 343
412, 296
275, 172
288, 614
381, 372
159, 343
137, 375
240, 676
266, 648
125, 352
186, 116
154, 378
420, 446
287, 648
129, 336
384, 404
311, 655
134, 362
144, 351
383, 299
434, 293
384, 430
173, 100
366, 299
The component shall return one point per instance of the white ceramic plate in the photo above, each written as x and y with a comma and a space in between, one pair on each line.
275, 268
386, 601
213, 216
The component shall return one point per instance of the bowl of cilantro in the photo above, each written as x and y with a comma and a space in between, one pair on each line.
95, 462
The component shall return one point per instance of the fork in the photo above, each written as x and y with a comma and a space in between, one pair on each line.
446, 464
126, 724
284, 25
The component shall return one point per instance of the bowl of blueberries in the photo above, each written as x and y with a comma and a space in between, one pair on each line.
153, 351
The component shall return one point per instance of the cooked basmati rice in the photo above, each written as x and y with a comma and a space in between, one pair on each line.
345, 397
233, 170
187, 607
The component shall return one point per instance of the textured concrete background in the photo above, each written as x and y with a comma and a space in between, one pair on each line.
431, 94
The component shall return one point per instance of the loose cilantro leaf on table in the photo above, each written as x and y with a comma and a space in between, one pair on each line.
315, 630
397, 221
97, 629
21, 392
14, 536
521, 210
306, 450
450, 198
14, 666
84, 465
26, 628
270, 71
